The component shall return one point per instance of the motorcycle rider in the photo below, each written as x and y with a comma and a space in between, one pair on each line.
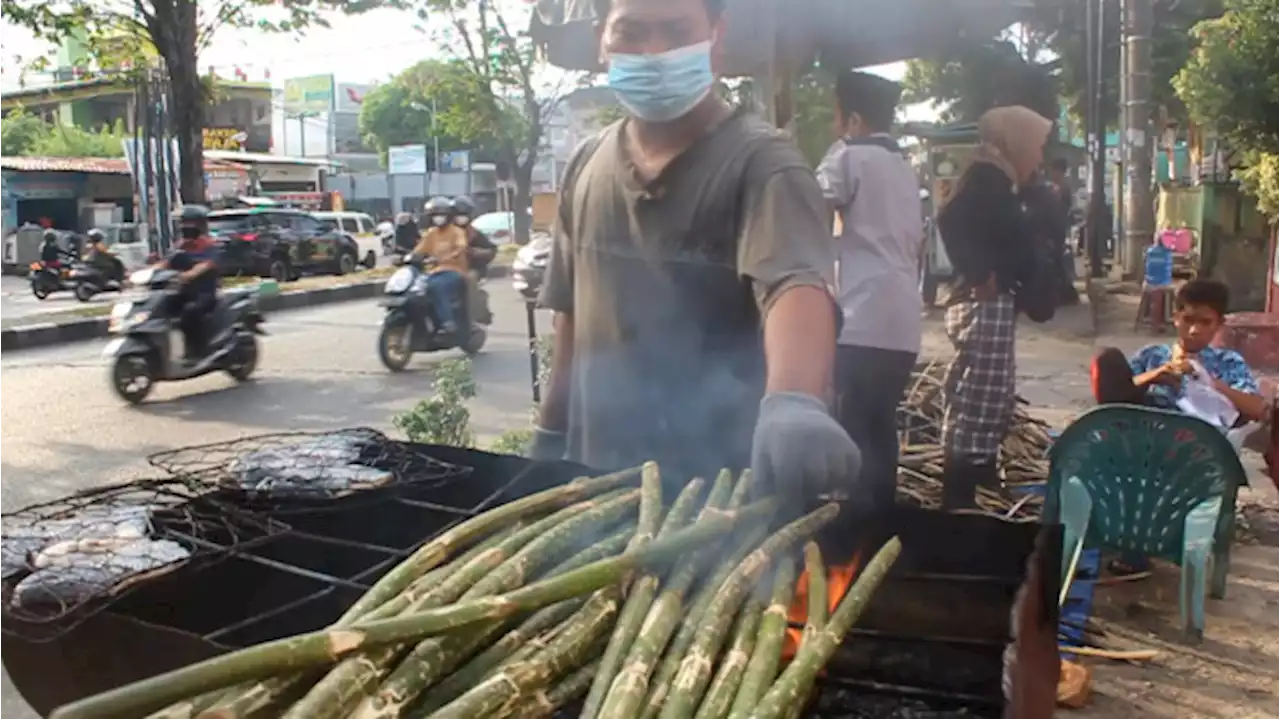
480, 249
101, 259
50, 252
445, 241
407, 233
196, 258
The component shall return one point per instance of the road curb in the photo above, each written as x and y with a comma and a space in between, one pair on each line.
54, 333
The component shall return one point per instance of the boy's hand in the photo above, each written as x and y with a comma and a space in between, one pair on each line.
1172, 372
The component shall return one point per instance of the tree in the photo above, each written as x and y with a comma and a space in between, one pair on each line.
1051, 42
176, 30
1230, 86
972, 77
64, 141
28, 135
20, 132
494, 66
399, 112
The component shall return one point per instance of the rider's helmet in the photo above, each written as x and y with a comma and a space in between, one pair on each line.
463, 210
193, 221
50, 236
438, 210
95, 236
403, 218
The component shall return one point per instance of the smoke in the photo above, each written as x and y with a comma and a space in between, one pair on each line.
668, 365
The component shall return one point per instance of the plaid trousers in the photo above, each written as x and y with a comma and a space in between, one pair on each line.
980, 382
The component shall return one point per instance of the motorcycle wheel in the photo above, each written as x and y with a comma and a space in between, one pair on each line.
84, 292
395, 345
244, 360
39, 290
475, 341
132, 377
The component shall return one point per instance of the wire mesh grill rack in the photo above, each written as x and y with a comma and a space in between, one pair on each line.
66, 559
305, 466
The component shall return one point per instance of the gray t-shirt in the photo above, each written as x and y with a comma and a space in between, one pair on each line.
877, 280
667, 283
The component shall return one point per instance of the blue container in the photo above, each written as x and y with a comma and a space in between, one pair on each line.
1158, 266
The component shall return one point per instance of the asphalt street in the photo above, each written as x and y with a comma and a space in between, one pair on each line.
64, 429
16, 299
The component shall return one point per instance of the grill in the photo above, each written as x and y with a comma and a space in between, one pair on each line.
934, 642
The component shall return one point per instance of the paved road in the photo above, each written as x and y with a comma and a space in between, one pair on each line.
16, 299
64, 429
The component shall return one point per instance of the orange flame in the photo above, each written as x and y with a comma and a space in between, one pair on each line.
839, 578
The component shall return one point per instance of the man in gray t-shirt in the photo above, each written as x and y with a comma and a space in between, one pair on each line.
689, 276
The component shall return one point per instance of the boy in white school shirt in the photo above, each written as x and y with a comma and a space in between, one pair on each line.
876, 194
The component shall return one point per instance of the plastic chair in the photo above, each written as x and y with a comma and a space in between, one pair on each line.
1154, 482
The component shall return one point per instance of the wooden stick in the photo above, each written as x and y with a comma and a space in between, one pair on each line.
1130, 655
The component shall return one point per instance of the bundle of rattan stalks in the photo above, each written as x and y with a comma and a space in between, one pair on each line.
1023, 458
595, 594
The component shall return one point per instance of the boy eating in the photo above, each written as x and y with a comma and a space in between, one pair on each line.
1156, 376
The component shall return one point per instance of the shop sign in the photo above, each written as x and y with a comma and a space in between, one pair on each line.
224, 138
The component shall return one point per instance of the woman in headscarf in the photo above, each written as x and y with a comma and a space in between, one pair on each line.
988, 242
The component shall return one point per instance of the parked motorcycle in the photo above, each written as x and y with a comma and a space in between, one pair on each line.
410, 324
143, 353
48, 278
88, 280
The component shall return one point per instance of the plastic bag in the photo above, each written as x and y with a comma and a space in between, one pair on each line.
1202, 400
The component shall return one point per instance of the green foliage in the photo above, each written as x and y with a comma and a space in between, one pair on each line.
976, 74
66, 141
20, 132
443, 418
399, 112
28, 135
814, 102
973, 77
1230, 86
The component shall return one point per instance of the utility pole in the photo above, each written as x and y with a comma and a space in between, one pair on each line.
1096, 134
1139, 215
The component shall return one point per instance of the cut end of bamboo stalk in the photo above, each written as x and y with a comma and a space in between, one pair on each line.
344, 641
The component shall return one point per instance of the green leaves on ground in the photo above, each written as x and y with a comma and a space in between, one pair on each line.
443, 418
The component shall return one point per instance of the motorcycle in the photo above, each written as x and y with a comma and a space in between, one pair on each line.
48, 278
410, 323
143, 353
88, 280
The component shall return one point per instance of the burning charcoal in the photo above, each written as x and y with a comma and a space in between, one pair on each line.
77, 570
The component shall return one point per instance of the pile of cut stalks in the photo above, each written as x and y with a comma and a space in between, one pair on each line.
595, 596
1023, 461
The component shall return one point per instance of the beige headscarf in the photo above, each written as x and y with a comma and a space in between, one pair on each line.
1012, 139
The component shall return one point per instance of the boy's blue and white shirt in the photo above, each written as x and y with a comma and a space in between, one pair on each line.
1224, 364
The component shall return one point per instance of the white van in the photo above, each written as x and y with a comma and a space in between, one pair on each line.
362, 229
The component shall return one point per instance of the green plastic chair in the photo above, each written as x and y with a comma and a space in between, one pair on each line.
1152, 482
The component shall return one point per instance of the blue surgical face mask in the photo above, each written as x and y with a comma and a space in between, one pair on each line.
665, 86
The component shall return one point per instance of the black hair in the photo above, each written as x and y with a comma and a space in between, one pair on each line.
715, 8
874, 98
1059, 164
1203, 292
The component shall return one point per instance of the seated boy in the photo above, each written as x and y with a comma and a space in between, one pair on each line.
1157, 374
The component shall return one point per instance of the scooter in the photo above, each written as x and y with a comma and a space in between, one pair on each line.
49, 278
88, 280
410, 323
143, 353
